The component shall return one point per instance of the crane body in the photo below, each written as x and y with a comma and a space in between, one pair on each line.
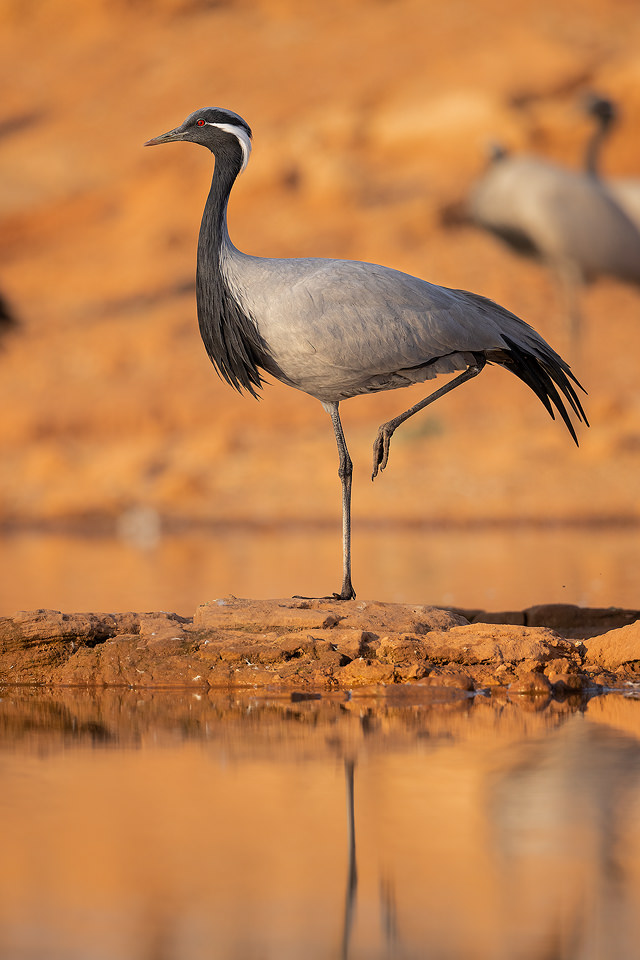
361, 335
558, 216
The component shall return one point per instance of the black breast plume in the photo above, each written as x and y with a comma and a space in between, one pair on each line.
230, 334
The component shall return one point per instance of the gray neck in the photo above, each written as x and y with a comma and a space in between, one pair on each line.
594, 147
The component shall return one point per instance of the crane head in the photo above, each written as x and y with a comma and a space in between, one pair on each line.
215, 128
601, 108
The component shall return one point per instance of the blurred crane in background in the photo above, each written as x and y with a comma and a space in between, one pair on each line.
569, 220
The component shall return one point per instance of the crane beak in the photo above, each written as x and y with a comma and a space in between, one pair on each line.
177, 134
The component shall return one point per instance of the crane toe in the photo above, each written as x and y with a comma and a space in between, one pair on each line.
381, 450
347, 593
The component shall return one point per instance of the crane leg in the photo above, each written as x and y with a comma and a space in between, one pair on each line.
386, 431
345, 470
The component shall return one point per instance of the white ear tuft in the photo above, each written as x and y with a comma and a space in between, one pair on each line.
243, 139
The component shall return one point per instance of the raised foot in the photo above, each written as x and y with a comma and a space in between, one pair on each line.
381, 450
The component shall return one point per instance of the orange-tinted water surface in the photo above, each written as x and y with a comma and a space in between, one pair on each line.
499, 568
180, 825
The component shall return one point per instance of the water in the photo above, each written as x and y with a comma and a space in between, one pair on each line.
488, 568
187, 826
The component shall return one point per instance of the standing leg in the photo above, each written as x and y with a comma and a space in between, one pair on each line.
345, 470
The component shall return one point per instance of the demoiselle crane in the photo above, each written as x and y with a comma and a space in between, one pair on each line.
569, 220
338, 328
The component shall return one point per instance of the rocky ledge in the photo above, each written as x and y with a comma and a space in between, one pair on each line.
555, 649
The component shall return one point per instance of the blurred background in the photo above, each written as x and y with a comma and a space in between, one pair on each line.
130, 475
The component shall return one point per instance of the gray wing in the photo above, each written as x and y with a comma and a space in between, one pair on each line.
338, 328
626, 192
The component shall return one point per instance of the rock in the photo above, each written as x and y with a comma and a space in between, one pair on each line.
155, 626
578, 622
515, 617
568, 683
451, 678
495, 644
616, 647
364, 672
385, 618
531, 683
52, 624
401, 649
260, 615
567, 619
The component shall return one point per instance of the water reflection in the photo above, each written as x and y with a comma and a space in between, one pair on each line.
142, 825
573, 797
352, 868
488, 568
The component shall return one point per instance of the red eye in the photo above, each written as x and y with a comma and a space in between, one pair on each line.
200, 123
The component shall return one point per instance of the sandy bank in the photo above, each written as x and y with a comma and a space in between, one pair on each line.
323, 644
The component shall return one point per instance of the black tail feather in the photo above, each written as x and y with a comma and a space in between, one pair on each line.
548, 376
